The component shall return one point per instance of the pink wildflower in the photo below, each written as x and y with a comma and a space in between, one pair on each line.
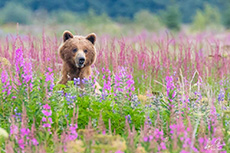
47, 125
35, 142
43, 119
25, 131
46, 106
145, 139
21, 143
47, 113
13, 129
119, 151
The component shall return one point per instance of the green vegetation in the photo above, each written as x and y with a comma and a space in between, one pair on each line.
171, 18
15, 13
226, 16
208, 18
146, 20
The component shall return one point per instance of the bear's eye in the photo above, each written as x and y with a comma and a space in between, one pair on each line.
85, 51
75, 50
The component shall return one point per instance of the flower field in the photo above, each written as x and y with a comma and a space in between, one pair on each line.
160, 93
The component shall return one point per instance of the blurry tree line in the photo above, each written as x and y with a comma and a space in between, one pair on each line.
171, 13
118, 8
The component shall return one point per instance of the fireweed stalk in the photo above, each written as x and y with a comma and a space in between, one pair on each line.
23, 69
46, 119
6, 87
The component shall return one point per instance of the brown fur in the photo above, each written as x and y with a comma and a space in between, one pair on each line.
69, 68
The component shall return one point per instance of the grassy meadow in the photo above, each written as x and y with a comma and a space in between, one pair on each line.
161, 92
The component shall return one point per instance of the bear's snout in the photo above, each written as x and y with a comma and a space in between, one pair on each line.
81, 61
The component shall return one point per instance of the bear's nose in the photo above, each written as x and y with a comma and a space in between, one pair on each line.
81, 60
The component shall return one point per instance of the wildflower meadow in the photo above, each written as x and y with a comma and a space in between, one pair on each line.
160, 93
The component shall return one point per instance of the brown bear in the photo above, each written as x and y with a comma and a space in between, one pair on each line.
78, 54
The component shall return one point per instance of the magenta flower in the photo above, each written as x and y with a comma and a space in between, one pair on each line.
27, 72
25, 131
46, 106
201, 140
4, 76
49, 69
43, 119
19, 60
47, 125
163, 147
50, 119
35, 142
119, 151
73, 137
73, 133
183, 151
6, 83
21, 143
13, 129
49, 77
73, 128
47, 113
23, 68
146, 139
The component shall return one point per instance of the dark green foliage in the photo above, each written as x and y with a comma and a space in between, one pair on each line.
210, 17
15, 13
226, 17
171, 18
65, 17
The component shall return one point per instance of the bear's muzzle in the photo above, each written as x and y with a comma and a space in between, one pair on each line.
80, 59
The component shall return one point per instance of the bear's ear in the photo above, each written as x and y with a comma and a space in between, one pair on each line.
66, 35
92, 38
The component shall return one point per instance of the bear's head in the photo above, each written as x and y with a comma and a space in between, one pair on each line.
77, 50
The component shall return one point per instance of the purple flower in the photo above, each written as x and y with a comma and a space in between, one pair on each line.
76, 81
84, 80
221, 96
